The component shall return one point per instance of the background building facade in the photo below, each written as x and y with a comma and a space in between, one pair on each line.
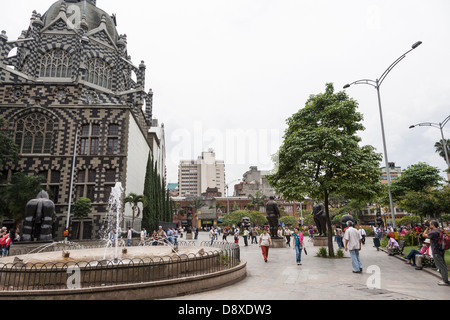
196, 176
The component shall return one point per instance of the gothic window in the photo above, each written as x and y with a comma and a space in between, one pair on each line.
90, 136
34, 134
113, 140
56, 63
99, 73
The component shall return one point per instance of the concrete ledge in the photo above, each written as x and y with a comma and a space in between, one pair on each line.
278, 243
140, 291
320, 241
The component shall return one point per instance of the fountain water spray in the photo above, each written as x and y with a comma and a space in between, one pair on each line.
113, 219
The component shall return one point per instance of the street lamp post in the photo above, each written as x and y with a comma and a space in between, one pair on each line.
376, 84
440, 126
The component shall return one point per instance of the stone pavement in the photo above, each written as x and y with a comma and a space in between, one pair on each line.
326, 279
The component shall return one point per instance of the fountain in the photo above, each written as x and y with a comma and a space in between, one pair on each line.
111, 230
67, 270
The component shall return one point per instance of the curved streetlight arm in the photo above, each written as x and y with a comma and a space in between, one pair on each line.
445, 121
376, 84
426, 124
362, 81
432, 124
389, 69
440, 126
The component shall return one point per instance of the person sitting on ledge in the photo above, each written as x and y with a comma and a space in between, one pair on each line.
392, 245
412, 256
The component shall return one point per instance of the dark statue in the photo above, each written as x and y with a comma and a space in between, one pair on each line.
245, 223
379, 219
345, 218
273, 214
39, 214
320, 218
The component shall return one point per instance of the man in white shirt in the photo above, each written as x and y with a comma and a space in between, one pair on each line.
363, 234
352, 240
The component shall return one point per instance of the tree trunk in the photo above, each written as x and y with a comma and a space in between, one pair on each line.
330, 230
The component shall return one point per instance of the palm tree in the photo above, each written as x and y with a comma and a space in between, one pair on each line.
257, 199
440, 147
134, 199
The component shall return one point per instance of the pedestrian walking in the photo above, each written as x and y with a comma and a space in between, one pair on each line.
212, 236
246, 233
352, 239
339, 237
287, 234
236, 236
298, 245
254, 235
433, 233
363, 234
265, 241
129, 236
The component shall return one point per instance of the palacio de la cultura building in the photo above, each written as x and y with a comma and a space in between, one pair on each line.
69, 78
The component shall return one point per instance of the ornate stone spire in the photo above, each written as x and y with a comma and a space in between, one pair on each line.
94, 2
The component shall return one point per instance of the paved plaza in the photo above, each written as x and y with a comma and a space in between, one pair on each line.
325, 279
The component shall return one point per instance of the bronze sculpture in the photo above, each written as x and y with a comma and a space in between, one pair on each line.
39, 214
320, 219
273, 214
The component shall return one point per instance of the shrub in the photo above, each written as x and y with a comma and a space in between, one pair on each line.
322, 253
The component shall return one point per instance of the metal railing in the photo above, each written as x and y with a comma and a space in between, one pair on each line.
68, 275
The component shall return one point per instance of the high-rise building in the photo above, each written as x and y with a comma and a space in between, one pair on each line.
196, 176
68, 86
253, 181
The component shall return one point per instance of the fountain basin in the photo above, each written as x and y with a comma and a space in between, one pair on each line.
50, 275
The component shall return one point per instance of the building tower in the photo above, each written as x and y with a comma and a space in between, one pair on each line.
72, 77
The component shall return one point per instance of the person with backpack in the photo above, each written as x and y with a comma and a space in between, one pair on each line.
435, 234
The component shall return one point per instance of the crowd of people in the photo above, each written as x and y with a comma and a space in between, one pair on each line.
7, 238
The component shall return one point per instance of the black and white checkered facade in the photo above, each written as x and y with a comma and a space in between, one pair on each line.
70, 71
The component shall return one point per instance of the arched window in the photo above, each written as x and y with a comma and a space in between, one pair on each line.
56, 63
99, 73
34, 134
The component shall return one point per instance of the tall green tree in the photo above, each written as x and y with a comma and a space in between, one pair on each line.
157, 203
321, 155
81, 210
18, 192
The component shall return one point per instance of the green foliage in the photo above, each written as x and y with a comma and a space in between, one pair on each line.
440, 147
82, 208
235, 217
16, 195
289, 220
322, 253
8, 149
340, 253
408, 220
257, 200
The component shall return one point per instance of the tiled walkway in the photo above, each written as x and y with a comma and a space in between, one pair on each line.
383, 278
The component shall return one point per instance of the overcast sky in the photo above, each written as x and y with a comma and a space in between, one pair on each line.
226, 74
